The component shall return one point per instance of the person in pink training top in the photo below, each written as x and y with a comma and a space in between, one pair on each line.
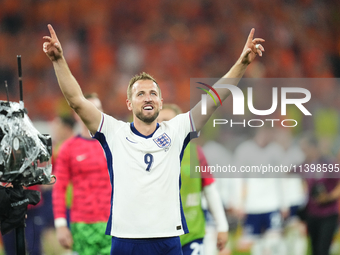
82, 163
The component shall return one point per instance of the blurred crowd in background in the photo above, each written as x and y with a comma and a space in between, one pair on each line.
107, 42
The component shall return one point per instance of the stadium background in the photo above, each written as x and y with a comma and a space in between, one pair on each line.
106, 42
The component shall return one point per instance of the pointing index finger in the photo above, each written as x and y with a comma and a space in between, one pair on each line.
52, 32
251, 35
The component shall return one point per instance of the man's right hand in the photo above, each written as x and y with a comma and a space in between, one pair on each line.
64, 237
52, 46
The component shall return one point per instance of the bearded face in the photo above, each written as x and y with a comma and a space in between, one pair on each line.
145, 102
146, 117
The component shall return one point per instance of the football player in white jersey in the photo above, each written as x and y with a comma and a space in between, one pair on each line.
260, 200
295, 230
144, 157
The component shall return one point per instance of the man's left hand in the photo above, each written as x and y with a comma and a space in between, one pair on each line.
251, 48
222, 238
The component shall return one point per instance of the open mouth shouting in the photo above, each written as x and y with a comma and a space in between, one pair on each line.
148, 113
148, 107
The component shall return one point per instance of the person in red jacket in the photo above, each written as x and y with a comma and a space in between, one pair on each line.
82, 163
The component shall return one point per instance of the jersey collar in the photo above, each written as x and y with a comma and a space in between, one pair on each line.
136, 132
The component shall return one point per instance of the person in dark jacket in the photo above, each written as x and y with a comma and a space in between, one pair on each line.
323, 187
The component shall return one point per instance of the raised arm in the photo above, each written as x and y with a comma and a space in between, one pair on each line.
89, 114
250, 50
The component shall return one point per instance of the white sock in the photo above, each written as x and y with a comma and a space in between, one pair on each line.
273, 244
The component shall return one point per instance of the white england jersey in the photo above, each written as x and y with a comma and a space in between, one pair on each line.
145, 177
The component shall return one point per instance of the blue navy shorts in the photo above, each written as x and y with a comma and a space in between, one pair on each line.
146, 246
256, 224
193, 248
293, 210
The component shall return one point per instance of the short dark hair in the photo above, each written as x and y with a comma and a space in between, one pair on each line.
68, 120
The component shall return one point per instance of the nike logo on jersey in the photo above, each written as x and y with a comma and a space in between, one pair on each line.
130, 140
81, 157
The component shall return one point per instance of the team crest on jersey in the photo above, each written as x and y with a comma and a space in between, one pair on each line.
163, 141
